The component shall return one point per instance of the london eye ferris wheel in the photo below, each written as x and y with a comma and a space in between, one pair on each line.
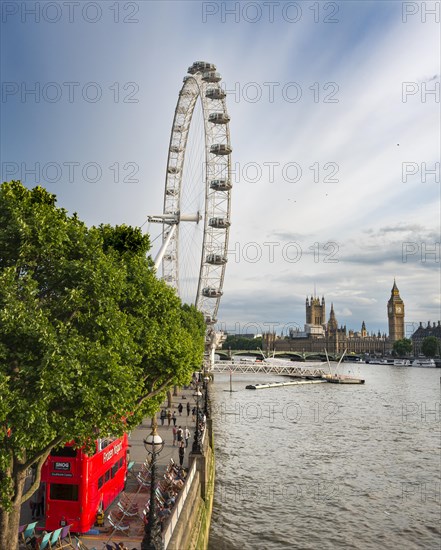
197, 195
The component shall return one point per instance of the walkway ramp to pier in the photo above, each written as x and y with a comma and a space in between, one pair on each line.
269, 367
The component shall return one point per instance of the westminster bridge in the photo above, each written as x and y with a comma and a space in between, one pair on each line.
288, 355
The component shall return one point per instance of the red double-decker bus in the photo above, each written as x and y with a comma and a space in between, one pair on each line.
77, 485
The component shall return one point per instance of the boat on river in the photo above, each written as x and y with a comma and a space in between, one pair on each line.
402, 363
429, 363
380, 361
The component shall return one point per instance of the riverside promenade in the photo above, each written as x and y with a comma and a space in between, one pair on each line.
99, 536
138, 455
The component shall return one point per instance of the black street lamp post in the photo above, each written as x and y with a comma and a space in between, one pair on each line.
197, 440
152, 530
206, 408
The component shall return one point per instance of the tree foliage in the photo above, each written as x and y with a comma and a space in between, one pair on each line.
90, 339
431, 346
402, 347
240, 343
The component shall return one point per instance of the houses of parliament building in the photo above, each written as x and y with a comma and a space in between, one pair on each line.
319, 335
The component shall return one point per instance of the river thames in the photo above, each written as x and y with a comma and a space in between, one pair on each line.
328, 466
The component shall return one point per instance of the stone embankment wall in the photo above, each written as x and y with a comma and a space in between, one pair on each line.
189, 525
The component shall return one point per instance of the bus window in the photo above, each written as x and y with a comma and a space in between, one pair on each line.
103, 443
107, 476
68, 452
115, 468
63, 492
100, 482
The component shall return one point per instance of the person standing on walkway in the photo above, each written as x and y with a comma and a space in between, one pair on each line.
186, 435
193, 414
180, 408
188, 408
162, 416
179, 435
169, 415
174, 418
175, 432
181, 453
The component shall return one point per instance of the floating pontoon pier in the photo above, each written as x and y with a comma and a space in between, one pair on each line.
319, 377
279, 384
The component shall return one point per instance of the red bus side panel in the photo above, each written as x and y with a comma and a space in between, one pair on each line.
78, 485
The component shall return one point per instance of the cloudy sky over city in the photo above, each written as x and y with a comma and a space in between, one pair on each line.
335, 129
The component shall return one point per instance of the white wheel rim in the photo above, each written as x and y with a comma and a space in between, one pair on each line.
214, 192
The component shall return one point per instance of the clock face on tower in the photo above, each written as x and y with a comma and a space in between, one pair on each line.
390, 309
398, 309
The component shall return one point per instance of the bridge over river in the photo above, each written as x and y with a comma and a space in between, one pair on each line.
297, 356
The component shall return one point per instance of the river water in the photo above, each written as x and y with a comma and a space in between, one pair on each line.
326, 466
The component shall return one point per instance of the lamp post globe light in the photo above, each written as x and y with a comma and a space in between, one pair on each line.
152, 530
197, 439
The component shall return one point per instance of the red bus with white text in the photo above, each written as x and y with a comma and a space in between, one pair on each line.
78, 485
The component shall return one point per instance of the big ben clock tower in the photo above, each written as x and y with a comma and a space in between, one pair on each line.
395, 314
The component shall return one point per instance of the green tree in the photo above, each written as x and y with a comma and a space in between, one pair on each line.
240, 343
430, 346
402, 347
88, 337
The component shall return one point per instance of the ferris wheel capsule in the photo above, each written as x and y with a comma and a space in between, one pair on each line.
211, 76
219, 223
220, 185
199, 66
216, 259
219, 118
215, 93
210, 292
220, 149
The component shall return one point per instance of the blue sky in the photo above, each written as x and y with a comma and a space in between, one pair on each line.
365, 121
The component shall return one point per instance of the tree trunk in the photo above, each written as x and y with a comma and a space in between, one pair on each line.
16, 472
169, 399
175, 391
10, 521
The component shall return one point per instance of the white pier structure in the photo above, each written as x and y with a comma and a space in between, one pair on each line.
269, 367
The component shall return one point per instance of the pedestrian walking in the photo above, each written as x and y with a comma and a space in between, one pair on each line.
193, 414
162, 416
169, 416
39, 509
188, 408
175, 433
181, 453
174, 418
186, 436
179, 435
33, 506
180, 408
